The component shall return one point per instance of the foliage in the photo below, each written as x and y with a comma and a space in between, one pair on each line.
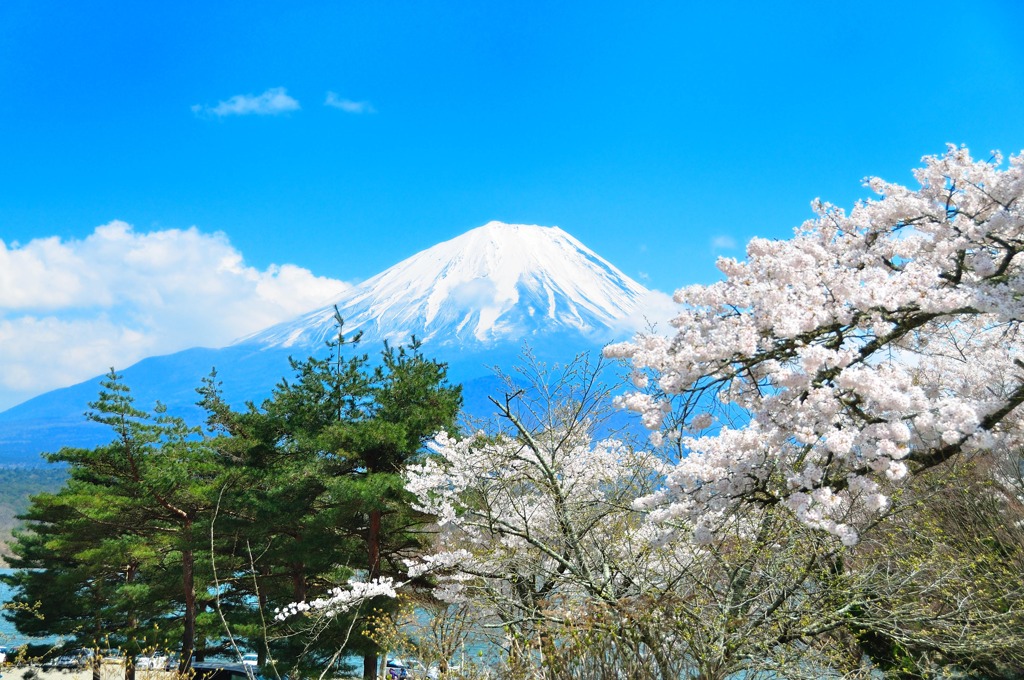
434, 633
939, 579
543, 535
534, 515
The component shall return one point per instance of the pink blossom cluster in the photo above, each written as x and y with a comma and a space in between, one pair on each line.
868, 346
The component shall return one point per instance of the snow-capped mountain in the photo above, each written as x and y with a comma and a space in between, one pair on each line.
473, 301
494, 284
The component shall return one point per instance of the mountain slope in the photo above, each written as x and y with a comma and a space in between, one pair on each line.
474, 301
493, 284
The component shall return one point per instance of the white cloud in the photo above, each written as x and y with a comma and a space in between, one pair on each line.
723, 242
654, 311
42, 353
271, 103
70, 310
347, 105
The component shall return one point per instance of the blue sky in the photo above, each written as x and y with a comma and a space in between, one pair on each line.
311, 144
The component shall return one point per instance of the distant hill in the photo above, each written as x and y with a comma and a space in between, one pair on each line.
17, 484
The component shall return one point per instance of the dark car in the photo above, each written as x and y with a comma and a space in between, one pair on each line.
212, 670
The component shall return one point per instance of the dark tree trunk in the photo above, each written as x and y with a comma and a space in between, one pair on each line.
298, 582
133, 623
188, 635
262, 595
373, 542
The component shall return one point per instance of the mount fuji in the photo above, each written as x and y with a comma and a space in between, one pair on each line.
473, 301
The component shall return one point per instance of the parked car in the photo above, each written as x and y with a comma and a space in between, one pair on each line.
397, 669
76, 659
212, 670
112, 656
420, 671
251, 659
424, 672
157, 661
3, 655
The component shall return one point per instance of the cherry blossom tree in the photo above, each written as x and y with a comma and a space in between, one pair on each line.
825, 368
534, 514
538, 531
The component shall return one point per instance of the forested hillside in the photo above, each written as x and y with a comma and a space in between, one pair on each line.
17, 484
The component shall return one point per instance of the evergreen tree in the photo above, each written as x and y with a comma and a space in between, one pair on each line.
323, 458
118, 547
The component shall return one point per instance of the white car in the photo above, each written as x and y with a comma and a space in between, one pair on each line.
157, 661
251, 659
3, 655
113, 656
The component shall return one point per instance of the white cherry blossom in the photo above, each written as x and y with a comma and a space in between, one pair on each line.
340, 600
871, 345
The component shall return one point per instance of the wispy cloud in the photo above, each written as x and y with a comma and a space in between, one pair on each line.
273, 102
124, 295
653, 313
347, 105
723, 242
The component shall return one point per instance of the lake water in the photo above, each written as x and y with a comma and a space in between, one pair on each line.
9, 637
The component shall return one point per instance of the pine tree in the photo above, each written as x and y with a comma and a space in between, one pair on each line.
323, 458
120, 543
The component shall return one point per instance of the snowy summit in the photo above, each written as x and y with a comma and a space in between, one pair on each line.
496, 283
